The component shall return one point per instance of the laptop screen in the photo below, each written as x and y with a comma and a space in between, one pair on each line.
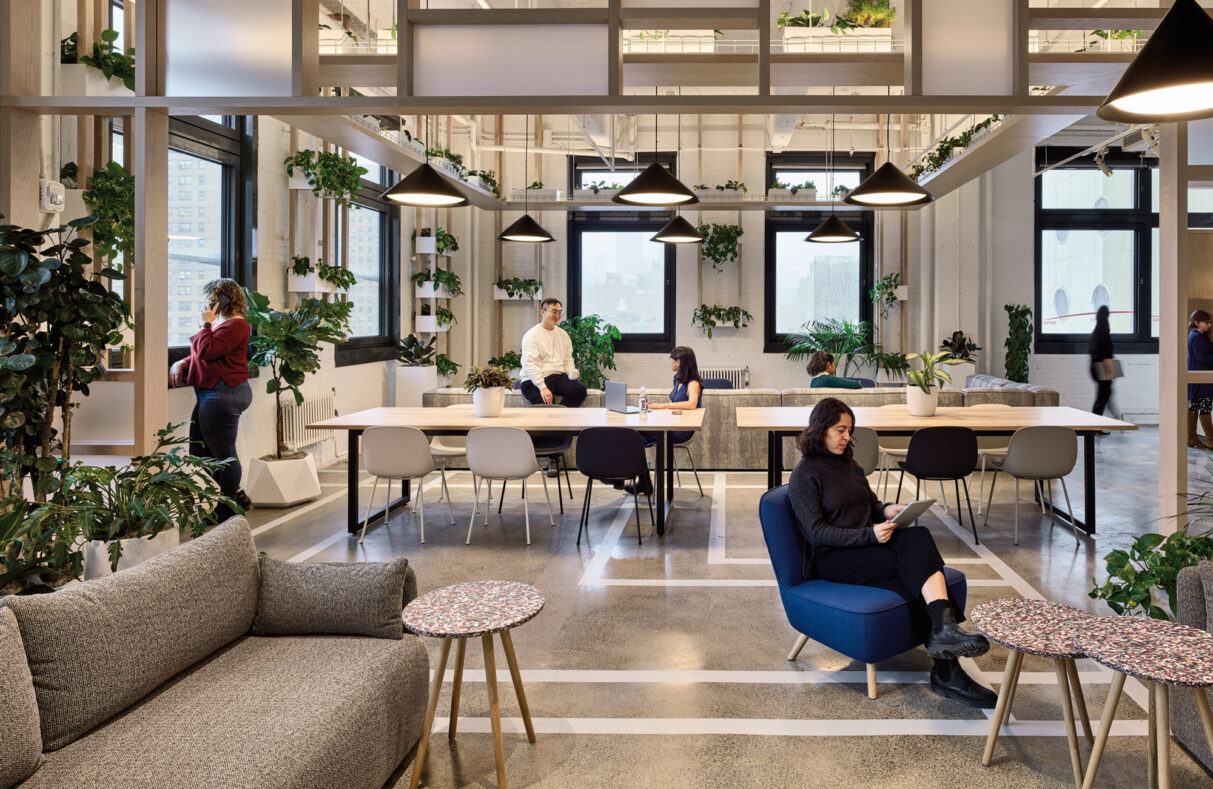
615, 395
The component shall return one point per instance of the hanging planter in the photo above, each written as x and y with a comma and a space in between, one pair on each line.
720, 244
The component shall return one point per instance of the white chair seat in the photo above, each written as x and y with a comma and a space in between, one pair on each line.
448, 446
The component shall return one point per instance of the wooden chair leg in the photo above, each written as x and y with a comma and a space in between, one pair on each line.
508, 644
1105, 726
1067, 713
1206, 717
871, 680
1162, 731
490, 675
799, 645
1080, 701
419, 761
1152, 738
456, 688
1005, 692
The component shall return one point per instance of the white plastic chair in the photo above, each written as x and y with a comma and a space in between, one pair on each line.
989, 447
503, 453
397, 453
443, 448
866, 448
1043, 452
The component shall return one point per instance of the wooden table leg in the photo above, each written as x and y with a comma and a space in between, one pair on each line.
508, 644
490, 675
1105, 726
459, 651
1006, 715
1152, 738
1206, 717
419, 761
1005, 691
1079, 701
1067, 713
1162, 726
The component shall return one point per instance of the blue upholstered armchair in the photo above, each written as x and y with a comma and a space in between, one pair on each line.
862, 622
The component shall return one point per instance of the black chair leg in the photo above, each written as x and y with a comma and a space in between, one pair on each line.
502, 499
559, 492
917, 489
636, 504
968, 504
993, 479
584, 523
567, 481
900, 480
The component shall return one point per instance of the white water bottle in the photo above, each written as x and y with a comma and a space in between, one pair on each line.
644, 402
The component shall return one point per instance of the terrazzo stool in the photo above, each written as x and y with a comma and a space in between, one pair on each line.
1035, 627
1161, 653
470, 610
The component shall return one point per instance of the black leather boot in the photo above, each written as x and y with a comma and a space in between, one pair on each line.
948, 641
949, 680
645, 488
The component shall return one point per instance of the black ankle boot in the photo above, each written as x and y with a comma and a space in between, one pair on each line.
947, 641
949, 680
645, 488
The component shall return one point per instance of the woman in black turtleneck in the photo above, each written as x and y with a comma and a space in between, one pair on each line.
852, 541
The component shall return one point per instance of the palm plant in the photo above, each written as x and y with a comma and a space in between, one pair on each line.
836, 337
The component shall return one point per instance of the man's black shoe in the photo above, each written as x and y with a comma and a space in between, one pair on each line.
645, 488
243, 500
952, 642
961, 687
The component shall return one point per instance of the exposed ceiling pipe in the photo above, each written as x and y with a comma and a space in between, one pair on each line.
551, 151
580, 124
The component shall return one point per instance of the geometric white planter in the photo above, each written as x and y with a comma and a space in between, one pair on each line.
960, 373
489, 401
308, 283
298, 182
80, 80
720, 195
411, 382
500, 294
428, 324
426, 245
426, 290
822, 39
134, 551
919, 402
282, 483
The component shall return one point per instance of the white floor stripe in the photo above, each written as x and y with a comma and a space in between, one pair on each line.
679, 582
344, 535
875, 727
604, 546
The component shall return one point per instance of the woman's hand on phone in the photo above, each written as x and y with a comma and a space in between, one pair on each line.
884, 531
210, 312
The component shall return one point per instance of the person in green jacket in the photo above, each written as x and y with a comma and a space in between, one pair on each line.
822, 368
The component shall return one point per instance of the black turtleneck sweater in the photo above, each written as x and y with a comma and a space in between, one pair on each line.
834, 505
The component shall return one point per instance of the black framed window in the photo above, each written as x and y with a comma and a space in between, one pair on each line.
799, 169
374, 255
616, 272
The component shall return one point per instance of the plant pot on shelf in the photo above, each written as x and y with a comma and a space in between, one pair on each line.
720, 195
134, 551
412, 382
502, 295
536, 195
427, 290
429, 324
298, 182
960, 373
427, 245
919, 402
801, 196
590, 195
489, 401
282, 483
77, 79
308, 283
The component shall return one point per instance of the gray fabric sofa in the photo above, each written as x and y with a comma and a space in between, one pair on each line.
151, 678
1041, 395
1194, 596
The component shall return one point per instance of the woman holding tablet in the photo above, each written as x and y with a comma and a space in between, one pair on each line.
853, 540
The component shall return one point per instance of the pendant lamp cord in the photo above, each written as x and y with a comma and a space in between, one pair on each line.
526, 155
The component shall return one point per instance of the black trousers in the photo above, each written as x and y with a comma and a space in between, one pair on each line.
572, 392
901, 565
1103, 392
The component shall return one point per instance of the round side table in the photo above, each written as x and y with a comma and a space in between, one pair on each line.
1162, 654
1035, 627
470, 610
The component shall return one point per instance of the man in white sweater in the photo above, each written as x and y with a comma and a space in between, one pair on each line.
547, 360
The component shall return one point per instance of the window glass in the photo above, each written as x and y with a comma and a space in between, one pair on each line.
1200, 198
195, 251
1081, 270
1087, 189
613, 180
366, 251
814, 281
821, 179
374, 170
1154, 283
623, 279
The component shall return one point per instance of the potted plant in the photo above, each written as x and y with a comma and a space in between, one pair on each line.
595, 191
535, 191
848, 342
720, 244
303, 277
964, 351
517, 289
434, 319
488, 181
328, 175
778, 190
922, 391
446, 367
1150, 568
437, 283
440, 243
487, 385
341, 279
39, 548
110, 196
510, 360
128, 514
709, 317
887, 293
109, 71
593, 347
288, 343
863, 26
1019, 341
417, 372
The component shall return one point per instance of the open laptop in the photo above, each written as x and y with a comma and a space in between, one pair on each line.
615, 395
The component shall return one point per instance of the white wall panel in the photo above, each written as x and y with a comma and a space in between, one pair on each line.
967, 47
228, 48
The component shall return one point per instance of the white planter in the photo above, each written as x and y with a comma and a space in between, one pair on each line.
537, 195
309, 283
802, 195
426, 290
80, 80
429, 324
589, 195
412, 382
427, 245
720, 195
960, 373
282, 483
920, 403
298, 182
819, 39
502, 295
489, 402
134, 551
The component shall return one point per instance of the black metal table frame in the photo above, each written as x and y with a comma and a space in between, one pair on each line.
663, 485
1087, 523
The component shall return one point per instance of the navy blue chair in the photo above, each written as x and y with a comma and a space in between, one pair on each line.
611, 454
866, 383
862, 622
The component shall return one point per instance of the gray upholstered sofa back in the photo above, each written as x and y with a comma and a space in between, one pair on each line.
1195, 601
1041, 395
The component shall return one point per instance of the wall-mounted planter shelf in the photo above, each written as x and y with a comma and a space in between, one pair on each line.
521, 195
501, 295
428, 291
802, 195
426, 245
429, 324
79, 80
309, 283
603, 195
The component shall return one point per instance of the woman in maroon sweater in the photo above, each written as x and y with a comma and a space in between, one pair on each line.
217, 368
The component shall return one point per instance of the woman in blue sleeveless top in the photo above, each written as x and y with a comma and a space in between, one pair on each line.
688, 388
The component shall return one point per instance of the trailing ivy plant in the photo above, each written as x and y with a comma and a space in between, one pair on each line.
842, 339
445, 365
777, 184
708, 317
441, 278
515, 286
1151, 566
453, 160
593, 347
443, 316
884, 295
328, 174
445, 243
489, 179
510, 360
535, 185
720, 244
110, 196
960, 346
1019, 341
341, 278
412, 352
301, 265
938, 156
736, 186
106, 58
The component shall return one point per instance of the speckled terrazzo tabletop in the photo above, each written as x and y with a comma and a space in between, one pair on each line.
1037, 627
473, 609
1149, 649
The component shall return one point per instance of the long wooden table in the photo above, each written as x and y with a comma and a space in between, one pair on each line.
780, 422
458, 421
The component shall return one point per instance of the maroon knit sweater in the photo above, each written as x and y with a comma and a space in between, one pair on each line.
219, 353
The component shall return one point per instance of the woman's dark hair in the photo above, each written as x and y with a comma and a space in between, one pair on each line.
688, 368
826, 414
1101, 318
819, 362
231, 293
1102, 334
1197, 315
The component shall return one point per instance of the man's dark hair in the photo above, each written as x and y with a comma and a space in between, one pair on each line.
543, 305
826, 414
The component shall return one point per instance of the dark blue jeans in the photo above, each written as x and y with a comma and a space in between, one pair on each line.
213, 429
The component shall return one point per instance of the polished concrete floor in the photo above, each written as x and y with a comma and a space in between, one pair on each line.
663, 664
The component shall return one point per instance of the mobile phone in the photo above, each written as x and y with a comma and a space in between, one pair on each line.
676, 412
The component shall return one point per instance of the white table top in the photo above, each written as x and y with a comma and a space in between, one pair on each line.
554, 419
787, 418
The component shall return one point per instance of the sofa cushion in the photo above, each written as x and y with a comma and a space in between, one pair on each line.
1004, 396
21, 744
289, 711
98, 647
357, 599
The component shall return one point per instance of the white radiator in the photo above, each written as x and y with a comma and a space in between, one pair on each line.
312, 409
738, 376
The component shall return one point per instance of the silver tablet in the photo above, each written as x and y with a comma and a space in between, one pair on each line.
912, 512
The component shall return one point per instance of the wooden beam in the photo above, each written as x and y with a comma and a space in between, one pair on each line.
1095, 18
149, 32
149, 275
695, 18
404, 50
912, 48
1020, 57
20, 135
1173, 262
764, 50
614, 49
305, 54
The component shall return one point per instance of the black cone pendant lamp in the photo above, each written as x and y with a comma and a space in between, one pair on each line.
888, 186
655, 186
678, 230
526, 229
1171, 79
833, 230
425, 188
